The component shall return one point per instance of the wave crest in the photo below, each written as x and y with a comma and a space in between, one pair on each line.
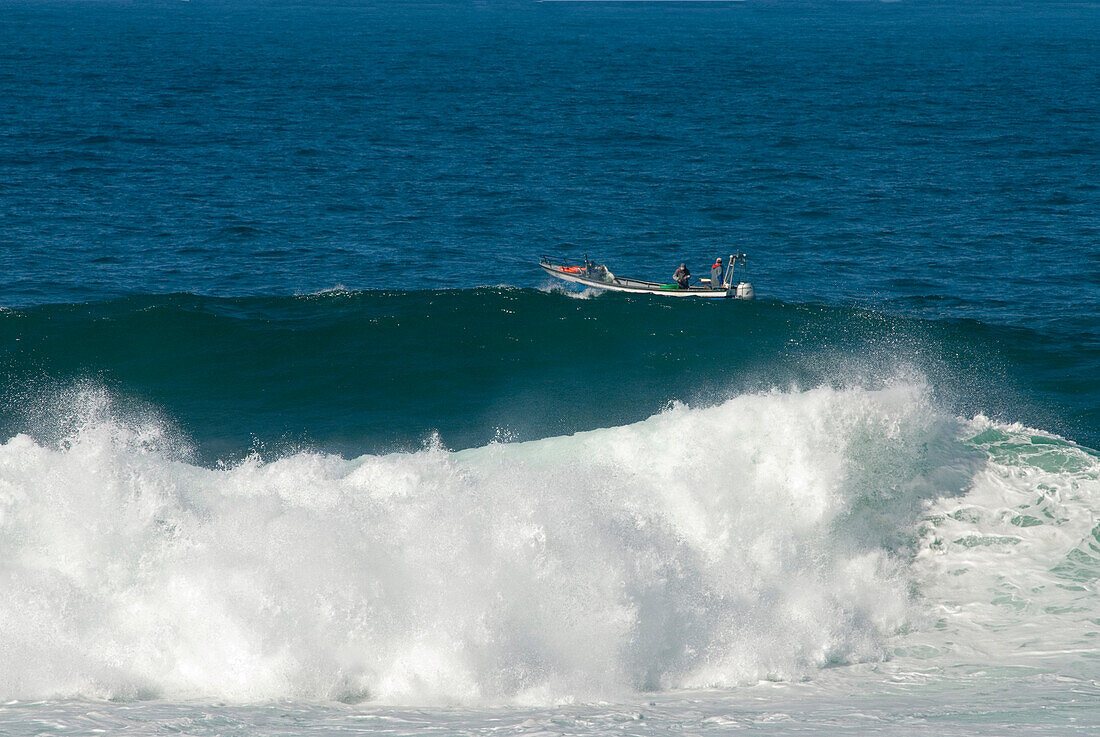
760, 539
765, 538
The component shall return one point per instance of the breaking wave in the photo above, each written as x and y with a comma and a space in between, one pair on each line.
768, 537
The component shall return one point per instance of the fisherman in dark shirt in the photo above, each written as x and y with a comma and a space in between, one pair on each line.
682, 276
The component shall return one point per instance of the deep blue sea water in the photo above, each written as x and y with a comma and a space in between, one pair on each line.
278, 366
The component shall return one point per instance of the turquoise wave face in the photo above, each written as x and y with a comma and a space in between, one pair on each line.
355, 372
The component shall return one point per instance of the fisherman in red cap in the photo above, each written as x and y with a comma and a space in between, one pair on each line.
716, 274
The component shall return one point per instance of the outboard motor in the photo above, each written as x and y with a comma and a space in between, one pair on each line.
744, 289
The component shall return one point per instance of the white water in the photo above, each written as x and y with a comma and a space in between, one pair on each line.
768, 538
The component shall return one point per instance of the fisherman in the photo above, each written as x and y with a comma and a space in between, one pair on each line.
682, 276
716, 274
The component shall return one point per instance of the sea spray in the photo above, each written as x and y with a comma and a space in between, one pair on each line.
701, 547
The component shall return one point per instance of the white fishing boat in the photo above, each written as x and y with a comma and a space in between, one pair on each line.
598, 276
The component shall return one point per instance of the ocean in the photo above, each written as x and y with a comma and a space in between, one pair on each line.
296, 437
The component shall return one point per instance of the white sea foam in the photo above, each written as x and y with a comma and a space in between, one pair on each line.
764, 538
1010, 571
